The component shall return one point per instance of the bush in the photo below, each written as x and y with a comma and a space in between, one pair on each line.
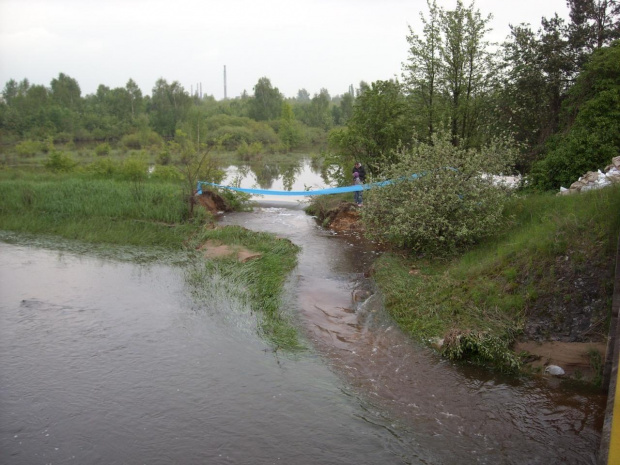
481, 349
442, 198
131, 141
59, 162
28, 148
103, 149
233, 136
164, 157
104, 167
248, 151
166, 173
135, 168
63, 137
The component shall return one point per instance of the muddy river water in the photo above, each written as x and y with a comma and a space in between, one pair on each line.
113, 361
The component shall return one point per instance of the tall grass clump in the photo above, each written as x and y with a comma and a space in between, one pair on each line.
96, 210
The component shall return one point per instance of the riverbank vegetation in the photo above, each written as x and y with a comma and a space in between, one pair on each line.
549, 273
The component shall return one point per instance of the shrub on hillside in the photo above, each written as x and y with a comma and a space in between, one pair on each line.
451, 202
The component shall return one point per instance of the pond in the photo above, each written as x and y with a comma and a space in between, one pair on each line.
112, 356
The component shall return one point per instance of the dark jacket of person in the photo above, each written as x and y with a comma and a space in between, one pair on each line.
361, 171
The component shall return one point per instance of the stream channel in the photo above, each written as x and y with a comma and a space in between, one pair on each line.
111, 357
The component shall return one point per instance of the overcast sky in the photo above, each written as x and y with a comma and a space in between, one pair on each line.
310, 44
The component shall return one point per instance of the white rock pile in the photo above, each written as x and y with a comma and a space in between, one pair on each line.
595, 180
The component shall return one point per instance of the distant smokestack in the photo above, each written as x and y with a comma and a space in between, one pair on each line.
225, 82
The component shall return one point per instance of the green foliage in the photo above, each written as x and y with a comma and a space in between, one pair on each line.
28, 148
450, 73
592, 139
233, 136
267, 101
452, 202
135, 168
481, 349
164, 157
59, 162
103, 149
166, 173
488, 292
103, 168
168, 106
380, 123
246, 151
131, 141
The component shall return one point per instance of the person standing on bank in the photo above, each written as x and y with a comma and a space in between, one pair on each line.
357, 195
358, 168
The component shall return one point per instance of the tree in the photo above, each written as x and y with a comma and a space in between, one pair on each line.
168, 106
467, 68
590, 136
449, 72
289, 132
66, 92
424, 69
267, 102
381, 121
594, 24
539, 68
318, 113
303, 96
346, 107
135, 97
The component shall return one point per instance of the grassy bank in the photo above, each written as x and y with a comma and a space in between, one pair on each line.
552, 266
150, 213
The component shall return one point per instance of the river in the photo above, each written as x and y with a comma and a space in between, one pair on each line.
109, 357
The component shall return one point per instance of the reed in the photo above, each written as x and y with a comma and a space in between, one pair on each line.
94, 210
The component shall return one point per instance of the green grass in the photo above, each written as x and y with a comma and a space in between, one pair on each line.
94, 210
486, 294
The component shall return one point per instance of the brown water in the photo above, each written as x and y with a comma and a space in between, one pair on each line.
114, 357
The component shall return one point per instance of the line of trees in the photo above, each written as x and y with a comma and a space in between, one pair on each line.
34, 111
553, 90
